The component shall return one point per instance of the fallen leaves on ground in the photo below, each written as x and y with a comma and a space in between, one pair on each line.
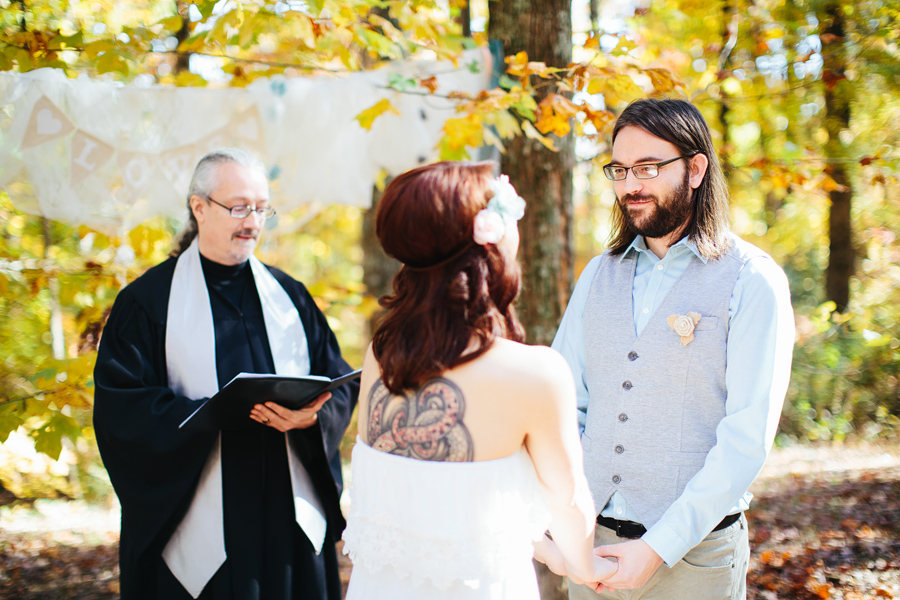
817, 536
35, 566
826, 536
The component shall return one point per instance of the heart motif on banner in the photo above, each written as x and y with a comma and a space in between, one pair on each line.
47, 124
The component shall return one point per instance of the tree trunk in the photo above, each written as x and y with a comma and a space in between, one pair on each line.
543, 29
378, 268
729, 39
838, 93
182, 61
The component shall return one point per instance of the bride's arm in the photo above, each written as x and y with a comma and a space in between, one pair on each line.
547, 552
552, 442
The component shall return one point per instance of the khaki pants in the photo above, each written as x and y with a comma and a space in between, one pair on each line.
715, 569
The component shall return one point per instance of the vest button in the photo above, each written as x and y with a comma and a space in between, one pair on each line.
623, 417
616, 479
632, 355
620, 449
627, 385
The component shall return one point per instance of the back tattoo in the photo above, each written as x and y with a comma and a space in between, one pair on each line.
427, 425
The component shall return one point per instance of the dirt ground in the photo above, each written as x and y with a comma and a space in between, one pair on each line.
825, 524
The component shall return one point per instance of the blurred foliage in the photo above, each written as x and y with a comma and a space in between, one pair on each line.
755, 68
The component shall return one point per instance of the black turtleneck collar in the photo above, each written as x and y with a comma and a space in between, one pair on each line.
219, 272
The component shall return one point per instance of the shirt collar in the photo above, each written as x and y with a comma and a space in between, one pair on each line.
681, 246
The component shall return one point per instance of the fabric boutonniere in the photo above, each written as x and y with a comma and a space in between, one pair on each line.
684, 326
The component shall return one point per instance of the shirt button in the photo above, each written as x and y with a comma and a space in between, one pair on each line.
620, 449
632, 355
623, 417
616, 479
618, 511
627, 385
659, 267
645, 311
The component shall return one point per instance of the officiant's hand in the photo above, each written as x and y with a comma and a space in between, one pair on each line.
284, 419
637, 564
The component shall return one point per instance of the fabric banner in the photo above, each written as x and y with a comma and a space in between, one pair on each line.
110, 156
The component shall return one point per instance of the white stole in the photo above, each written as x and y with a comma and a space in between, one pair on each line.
197, 548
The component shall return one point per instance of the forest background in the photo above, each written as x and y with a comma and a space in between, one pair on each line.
802, 97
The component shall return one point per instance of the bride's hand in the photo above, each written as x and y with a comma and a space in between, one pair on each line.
604, 568
547, 552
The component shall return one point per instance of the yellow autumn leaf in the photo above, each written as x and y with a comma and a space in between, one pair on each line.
554, 114
462, 132
830, 185
368, 116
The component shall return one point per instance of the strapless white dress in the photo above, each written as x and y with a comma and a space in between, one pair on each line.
420, 530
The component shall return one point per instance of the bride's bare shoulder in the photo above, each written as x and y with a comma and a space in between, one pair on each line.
539, 366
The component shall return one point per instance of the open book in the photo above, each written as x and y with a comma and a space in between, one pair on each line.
230, 407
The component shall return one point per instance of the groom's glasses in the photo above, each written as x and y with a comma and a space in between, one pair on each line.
644, 171
242, 212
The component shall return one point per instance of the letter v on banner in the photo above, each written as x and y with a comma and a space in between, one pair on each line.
88, 155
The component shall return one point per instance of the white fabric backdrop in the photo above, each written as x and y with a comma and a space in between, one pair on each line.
110, 156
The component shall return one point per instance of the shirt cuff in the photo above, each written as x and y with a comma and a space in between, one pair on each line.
666, 543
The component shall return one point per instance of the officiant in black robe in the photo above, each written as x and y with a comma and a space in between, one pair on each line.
155, 467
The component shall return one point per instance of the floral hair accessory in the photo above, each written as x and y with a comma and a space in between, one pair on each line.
684, 326
504, 208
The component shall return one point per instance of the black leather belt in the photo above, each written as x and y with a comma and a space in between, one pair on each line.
633, 531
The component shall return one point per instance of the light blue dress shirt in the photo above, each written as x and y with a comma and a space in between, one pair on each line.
759, 350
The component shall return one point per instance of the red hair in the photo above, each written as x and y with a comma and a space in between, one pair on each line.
450, 291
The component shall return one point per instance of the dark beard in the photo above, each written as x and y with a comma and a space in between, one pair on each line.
668, 218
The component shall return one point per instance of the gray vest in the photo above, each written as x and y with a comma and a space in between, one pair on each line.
655, 404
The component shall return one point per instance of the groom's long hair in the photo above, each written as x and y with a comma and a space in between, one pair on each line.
450, 292
681, 124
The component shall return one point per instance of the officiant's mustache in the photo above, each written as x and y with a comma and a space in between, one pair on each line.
254, 233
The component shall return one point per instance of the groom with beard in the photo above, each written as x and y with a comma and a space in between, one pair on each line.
680, 338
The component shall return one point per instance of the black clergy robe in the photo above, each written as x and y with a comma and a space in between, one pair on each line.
154, 467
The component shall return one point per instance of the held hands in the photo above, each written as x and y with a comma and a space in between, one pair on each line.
637, 562
284, 419
547, 552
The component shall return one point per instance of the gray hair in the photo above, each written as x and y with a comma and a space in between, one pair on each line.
205, 180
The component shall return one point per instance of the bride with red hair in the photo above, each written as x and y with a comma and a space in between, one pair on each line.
468, 447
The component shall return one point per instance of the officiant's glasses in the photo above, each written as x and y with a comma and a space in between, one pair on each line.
645, 171
242, 212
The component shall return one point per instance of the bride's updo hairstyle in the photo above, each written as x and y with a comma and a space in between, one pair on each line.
450, 290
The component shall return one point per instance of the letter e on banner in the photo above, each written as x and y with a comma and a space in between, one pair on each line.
88, 155
46, 123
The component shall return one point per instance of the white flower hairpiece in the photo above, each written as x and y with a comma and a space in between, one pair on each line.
504, 208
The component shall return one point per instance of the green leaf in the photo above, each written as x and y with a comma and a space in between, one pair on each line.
315, 7
447, 152
401, 83
507, 82
112, 62
94, 49
206, 7
10, 419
